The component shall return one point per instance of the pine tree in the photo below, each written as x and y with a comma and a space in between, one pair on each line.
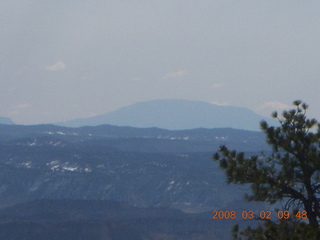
291, 173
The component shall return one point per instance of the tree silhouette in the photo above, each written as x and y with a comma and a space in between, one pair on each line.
291, 173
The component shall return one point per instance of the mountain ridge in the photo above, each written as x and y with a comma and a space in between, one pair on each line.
175, 114
6, 120
149, 139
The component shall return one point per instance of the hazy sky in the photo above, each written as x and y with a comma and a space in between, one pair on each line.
66, 59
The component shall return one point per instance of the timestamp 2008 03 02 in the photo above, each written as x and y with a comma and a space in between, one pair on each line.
260, 215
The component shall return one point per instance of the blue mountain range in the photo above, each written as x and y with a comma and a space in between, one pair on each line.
176, 114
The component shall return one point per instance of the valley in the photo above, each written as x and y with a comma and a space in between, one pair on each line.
149, 170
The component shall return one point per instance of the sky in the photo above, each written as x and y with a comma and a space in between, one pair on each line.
69, 59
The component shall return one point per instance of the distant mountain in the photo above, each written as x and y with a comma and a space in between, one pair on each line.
6, 120
174, 114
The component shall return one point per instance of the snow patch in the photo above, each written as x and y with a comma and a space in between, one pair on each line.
68, 168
